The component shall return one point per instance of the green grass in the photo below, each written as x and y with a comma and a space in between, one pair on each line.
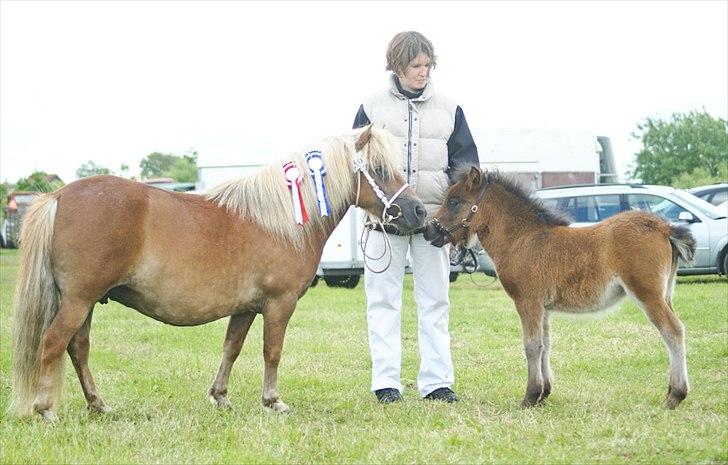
610, 379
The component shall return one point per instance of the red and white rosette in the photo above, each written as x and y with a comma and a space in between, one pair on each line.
293, 178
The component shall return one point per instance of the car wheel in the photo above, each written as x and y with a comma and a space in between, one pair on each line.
725, 264
453, 276
348, 281
315, 281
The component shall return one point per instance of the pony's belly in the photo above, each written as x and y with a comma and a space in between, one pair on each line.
588, 300
172, 311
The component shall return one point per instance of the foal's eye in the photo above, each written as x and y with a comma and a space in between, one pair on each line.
453, 202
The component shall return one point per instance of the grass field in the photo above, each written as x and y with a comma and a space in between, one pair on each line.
610, 379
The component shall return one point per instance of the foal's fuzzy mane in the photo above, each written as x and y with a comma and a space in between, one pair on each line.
525, 197
266, 199
522, 195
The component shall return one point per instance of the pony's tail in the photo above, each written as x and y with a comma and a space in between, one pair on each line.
683, 244
36, 304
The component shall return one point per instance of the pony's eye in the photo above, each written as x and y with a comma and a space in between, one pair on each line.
453, 202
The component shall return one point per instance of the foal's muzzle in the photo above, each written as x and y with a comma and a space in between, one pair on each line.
436, 233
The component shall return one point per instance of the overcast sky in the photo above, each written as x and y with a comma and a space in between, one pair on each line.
248, 82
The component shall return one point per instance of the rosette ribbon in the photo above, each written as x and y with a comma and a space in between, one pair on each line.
293, 178
315, 162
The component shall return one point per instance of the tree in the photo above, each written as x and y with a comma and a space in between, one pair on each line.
680, 146
180, 168
5, 189
39, 182
700, 177
90, 168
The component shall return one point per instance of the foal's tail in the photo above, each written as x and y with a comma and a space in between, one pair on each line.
683, 244
36, 303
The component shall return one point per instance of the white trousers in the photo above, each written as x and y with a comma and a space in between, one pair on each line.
431, 270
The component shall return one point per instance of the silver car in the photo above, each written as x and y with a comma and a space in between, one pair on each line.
587, 205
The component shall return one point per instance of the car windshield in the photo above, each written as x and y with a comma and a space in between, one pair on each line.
706, 208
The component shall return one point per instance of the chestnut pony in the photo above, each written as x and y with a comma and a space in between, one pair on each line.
187, 259
545, 266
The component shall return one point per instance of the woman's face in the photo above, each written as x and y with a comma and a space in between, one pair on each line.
416, 73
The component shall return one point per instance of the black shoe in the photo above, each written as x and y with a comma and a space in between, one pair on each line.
388, 395
444, 394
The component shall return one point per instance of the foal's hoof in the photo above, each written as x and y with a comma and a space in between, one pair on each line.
674, 397
525, 403
671, 402
279, 407
48, 415
101, 409
221, 402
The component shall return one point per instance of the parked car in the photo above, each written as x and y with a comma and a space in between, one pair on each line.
587, 205
713, 193
169, 184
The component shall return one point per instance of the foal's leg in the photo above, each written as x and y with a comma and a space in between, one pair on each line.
545, 365
274, 330
672, 331
237, 330
532, 317
69, 319
78, 350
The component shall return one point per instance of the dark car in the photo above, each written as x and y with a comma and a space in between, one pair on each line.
713, 193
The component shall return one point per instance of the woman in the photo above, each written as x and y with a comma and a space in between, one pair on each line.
435, 140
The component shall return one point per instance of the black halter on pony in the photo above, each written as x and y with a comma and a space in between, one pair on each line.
465, 222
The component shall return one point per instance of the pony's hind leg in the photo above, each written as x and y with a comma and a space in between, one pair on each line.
276, 319
532, 317
658, 309
237, 330
69, 319
78, 350
545, 364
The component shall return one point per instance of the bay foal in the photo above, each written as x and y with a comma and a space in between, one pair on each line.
546, 266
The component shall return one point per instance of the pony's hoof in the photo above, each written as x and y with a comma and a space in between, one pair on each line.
101, 409
279, 407
528, 403
48, 415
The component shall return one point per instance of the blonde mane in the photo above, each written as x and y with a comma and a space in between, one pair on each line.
266, 199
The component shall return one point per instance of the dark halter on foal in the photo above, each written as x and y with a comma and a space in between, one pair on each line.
465, 222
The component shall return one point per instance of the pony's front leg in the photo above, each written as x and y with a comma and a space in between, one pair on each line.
531, 314
237, 330
275, 317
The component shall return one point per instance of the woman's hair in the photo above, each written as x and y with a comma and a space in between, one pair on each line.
404, 47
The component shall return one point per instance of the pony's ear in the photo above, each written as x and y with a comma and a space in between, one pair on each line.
363, 139
474, 177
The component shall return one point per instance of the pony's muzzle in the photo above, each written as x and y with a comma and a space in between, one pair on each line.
434, 233
407, 214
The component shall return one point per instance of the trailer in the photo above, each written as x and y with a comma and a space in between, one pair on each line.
547, 158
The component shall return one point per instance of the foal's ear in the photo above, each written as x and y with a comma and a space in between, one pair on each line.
474, 177
363, 139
